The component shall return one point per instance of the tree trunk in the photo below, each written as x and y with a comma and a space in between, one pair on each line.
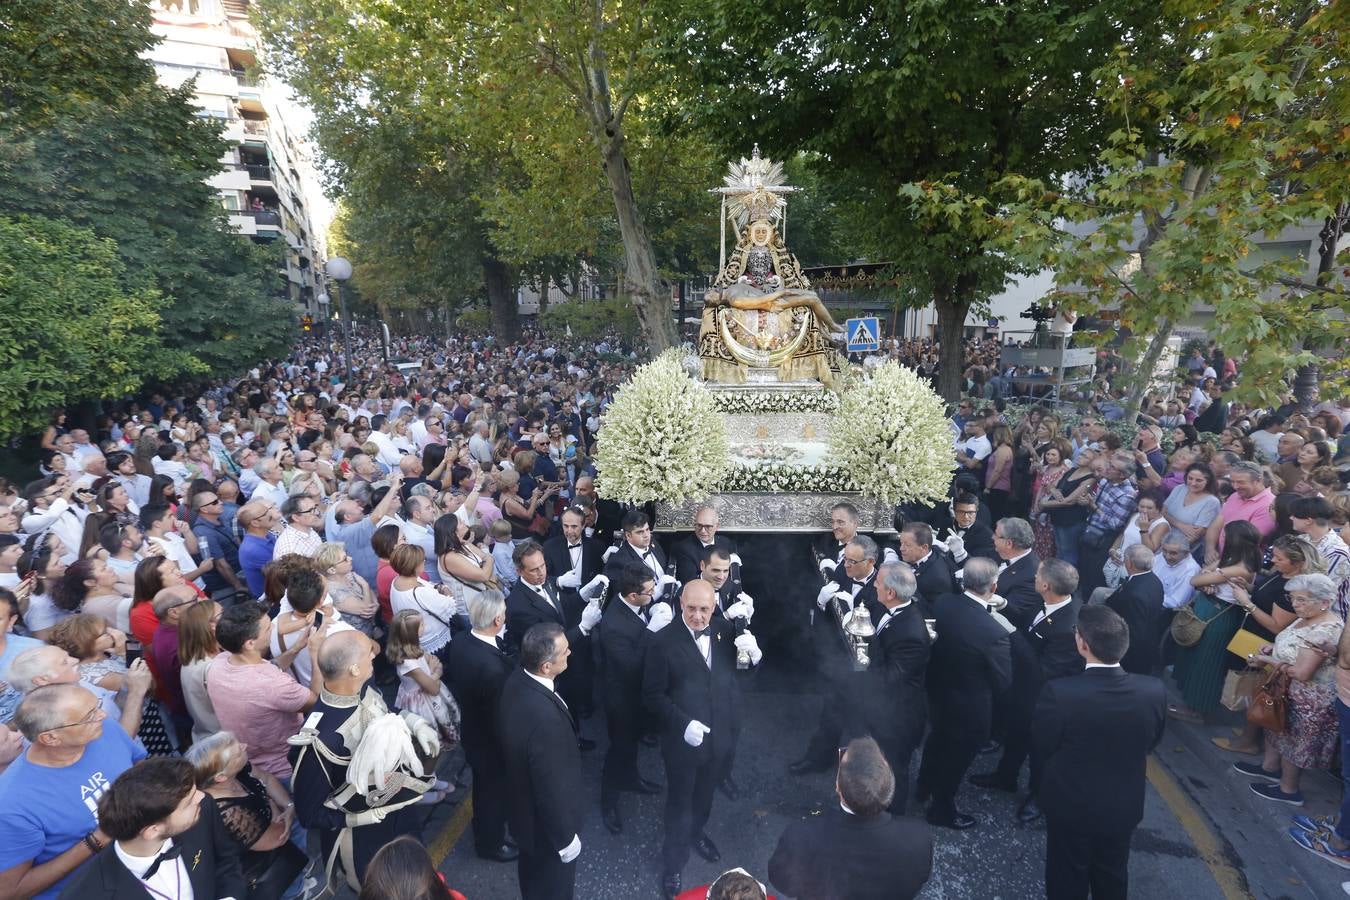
951, 315
642, 281
1143, 369
501, 299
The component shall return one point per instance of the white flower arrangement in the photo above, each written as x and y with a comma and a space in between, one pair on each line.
782, 478
663, 438
892, 436
776, 401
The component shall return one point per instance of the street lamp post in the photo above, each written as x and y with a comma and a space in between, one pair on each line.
340, 270
323, 303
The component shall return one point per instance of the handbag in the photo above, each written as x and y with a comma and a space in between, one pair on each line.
1239, 686
1270, 704
1188, 628
1097, 538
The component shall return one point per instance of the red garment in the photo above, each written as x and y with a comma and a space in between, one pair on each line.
701, 893
384, 579
143, 625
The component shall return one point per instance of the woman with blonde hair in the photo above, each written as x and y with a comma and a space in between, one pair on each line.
513, 509
352, 595
197, 649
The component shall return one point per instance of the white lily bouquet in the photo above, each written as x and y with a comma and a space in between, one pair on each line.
663, 437
892, 436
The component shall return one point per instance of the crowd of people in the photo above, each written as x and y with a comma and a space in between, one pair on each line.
240, 631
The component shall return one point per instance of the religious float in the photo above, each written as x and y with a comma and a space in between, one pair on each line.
764, 419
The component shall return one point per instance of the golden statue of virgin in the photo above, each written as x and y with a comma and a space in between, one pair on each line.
761, 320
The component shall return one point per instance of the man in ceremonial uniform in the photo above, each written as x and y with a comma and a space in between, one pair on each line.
1013, 540
574, 560
932, 570
687, 553
637, 548
624, 633
1043, 650
960, 529
689, 687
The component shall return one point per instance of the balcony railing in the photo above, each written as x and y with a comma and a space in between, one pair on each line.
255, 126
259, 173
261, 216
245, 79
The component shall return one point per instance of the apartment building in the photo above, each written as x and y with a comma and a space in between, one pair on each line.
267, 183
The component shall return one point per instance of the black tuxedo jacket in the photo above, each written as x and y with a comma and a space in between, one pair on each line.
626, 558
979, 540
525, 608
1139, 601
838, 856
476, 673
1095, 731
559, 559
679, 687
608, 519
866, 596
621, 653
1017, 585
969, 667
1044, 651
893, 697
935, 576
210, 856
685, 553
539, 749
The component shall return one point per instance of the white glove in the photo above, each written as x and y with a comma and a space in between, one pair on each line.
828, 565
590, 616
941, 545
823, 598
741, 609
888, 555
661, 616
735, 559
956, 546
666, 581
604, 557
571, 851
426, 735
996, 602
595, 587
747, 643
694, 732
571, 580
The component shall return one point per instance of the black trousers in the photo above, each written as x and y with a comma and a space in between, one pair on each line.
691, 776
947, 756
368, 839
1017, 748
620, 771
833, 671
544, 876
898, 753
489, 799
1078, 863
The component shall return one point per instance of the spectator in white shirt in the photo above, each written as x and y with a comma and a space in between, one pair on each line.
1175, 567
270, 487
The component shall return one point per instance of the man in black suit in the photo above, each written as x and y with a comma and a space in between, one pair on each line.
715, 567
1041, 651
621, 649
574, 560
689, 687
1094, 732
857, 850
687, 552
970, 666
638, 549
1139, 601
166, 835
1013, 540
932, 570
962, 521
539, 749
477, 668
891, 702
534, 599
852, 582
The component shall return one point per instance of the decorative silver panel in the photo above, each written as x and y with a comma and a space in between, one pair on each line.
778, 513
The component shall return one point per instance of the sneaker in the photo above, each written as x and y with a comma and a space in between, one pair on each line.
1254, 770
1320, 847
1318, 825
1273, 792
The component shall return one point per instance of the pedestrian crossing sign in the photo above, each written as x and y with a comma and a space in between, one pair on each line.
864, 335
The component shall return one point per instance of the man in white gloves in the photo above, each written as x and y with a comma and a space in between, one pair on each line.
687, 552
535, 599
690, 688
638, 548
714, 567
539, 746
575, 560
630, 622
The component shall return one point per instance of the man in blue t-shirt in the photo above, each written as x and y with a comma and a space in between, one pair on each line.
49, 795
257, 518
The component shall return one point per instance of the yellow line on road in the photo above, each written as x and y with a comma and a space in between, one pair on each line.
449, 835
1230, 879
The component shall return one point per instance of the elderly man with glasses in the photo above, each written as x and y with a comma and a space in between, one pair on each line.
49, 795
302, 514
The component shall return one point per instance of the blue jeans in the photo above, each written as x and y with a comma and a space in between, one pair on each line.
1066, 541
1343, 826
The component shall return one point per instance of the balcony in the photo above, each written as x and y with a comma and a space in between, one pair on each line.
257, 127
259, 173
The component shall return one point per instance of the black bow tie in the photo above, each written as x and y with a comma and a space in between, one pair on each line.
573, 546
701, 632
172, 853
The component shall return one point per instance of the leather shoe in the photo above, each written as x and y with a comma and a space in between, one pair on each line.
610, 816
585, 744
705, 848
504, 853
643, 786
993, 781
806, 766
730, 788
1029, 812
991, 747
670, 886
958, 821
